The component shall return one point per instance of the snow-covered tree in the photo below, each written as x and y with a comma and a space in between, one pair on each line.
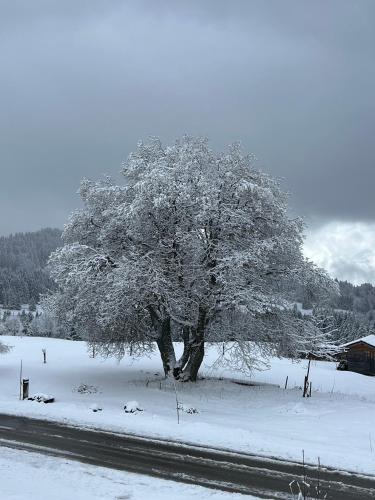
322, 341
194, 242
12, 325
44, 325
3, 348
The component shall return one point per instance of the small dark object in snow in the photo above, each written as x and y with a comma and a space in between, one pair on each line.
240, 382
191, 410
95, 408
132, 407
42, 398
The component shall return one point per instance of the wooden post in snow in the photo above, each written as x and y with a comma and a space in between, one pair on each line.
21, 381
25, 388
306, 383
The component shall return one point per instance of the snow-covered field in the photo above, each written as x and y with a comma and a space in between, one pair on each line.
335, 424
25, 475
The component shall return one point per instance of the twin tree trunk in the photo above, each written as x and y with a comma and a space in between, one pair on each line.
187, 367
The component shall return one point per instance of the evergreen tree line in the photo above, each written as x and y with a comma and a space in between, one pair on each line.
353, 311
356, 298
34, 324
23, 274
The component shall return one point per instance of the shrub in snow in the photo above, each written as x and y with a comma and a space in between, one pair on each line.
132, 407
42, 398
86, 389
187, 409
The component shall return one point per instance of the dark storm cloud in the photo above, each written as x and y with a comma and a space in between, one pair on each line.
81, 82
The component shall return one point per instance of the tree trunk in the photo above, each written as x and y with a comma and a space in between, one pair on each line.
185, 354
193, 351
165, 345
162, 327
190, 372
187, 367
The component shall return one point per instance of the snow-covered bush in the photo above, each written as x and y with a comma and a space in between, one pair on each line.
187, 409
42, 398
132, 407
86, 389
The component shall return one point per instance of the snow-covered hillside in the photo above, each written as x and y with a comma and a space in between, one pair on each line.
335, 424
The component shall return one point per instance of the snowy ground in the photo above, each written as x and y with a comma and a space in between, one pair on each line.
31, 476
335, 424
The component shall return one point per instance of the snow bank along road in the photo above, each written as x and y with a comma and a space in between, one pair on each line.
265, 478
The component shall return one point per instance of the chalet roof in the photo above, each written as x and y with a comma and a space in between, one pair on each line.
369, 339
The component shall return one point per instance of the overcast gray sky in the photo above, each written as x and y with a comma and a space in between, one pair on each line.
82, 81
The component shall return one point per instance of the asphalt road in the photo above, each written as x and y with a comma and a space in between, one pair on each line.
242, 473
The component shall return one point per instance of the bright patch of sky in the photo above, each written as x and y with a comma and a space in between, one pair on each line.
345, 249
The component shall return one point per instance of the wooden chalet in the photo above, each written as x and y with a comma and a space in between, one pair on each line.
359, 356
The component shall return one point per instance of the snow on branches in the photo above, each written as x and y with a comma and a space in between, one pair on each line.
194, 244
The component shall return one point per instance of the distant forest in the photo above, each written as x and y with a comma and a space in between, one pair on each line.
360, 299
23, 257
